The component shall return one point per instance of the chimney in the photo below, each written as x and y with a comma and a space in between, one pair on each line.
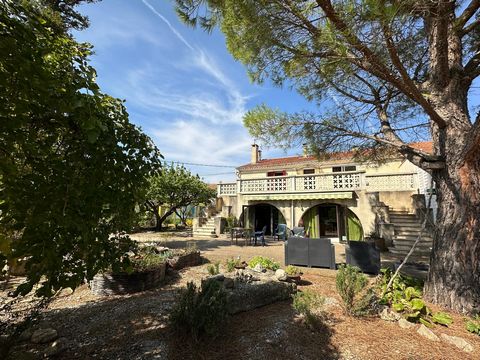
305, 150
259, 155
255, 154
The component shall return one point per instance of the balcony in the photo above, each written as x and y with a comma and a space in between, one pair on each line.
331, 182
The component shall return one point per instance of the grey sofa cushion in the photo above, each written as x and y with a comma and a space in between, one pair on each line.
310, 252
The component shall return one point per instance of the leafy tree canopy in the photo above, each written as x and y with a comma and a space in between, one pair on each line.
384, 73
175, 187
72, 166
366, 63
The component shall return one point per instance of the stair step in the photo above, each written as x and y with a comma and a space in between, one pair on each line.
406, 249
407, 227
409, 244
412, 237
406, 217
205, 229
413, 220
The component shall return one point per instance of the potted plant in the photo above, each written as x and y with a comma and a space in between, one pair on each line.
293, 273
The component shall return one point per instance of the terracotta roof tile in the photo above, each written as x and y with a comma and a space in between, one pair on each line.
426, 146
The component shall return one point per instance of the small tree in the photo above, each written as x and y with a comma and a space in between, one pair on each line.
175, 187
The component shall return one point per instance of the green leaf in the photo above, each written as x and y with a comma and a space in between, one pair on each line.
442, 318
411, 293
417, 304
426, 322
412, 316
398, 307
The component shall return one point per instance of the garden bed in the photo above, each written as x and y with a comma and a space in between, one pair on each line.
123, 283
181, 261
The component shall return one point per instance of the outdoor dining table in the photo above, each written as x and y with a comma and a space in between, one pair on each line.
241, 232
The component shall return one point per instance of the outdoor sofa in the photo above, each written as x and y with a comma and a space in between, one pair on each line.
310, 252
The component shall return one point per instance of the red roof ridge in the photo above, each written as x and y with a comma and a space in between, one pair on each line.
426, 146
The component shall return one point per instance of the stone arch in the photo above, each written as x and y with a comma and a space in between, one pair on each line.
260, 214
332, 219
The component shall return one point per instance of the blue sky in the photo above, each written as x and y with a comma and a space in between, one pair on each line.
180, 84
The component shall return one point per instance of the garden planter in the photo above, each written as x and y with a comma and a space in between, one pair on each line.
363, 255
180, 261
124, 283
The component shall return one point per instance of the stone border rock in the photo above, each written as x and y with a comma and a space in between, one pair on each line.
123, 283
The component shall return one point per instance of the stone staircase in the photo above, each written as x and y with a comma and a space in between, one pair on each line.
206, 228
407, 228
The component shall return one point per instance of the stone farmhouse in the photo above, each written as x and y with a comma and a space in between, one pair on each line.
338, 198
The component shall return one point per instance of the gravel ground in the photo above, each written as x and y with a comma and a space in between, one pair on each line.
136, 327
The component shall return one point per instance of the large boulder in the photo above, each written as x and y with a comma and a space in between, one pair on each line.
281, 275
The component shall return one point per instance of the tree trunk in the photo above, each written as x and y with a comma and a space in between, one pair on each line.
454, 277
158, 221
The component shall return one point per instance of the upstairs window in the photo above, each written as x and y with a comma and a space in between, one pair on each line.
344, 168
308, 171
277, 173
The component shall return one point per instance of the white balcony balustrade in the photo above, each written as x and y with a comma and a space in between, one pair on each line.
346, 181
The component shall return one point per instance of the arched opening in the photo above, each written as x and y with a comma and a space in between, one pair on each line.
262, 215
333, 221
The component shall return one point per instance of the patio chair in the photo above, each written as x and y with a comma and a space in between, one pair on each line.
260, 234
298, 231
280, 232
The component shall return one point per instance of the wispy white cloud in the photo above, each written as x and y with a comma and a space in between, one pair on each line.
189, 105
170, 26
191, 142
199, 102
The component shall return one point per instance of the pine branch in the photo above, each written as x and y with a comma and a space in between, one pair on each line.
467, 14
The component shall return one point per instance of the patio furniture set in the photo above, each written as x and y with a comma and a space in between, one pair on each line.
313, 252
320, 252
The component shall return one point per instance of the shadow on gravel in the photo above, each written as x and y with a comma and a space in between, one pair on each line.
270, 332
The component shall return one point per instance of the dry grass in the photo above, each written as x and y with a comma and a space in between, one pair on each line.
136, 326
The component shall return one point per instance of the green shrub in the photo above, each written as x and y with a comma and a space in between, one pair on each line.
200, 312
405, 297
231, 263
473, 325
214, 269
292, 270
265, 262
147, 262
310, 305
352, 288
